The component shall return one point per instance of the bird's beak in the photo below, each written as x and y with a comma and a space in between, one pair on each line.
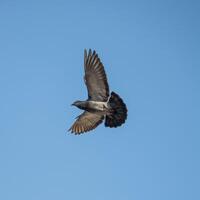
72, 104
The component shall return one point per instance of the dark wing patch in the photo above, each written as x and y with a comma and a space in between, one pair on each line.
86, 122
95, 77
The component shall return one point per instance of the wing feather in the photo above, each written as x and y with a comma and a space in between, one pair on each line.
86, 122
95, 77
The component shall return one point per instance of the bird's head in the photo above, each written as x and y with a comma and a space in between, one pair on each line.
79, 104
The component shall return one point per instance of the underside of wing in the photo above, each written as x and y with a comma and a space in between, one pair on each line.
86, 122
95, 77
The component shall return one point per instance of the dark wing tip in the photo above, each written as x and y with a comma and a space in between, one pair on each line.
76, 130
85, 57
70, 130
85, 53
90, 53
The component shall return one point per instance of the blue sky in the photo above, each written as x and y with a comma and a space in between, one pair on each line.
150, 50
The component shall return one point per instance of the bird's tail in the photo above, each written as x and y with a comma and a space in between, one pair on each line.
118, 111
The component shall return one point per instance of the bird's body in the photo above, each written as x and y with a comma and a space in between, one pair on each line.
97, 107
100, 104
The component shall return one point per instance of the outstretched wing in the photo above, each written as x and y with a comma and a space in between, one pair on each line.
95, 77
86, 122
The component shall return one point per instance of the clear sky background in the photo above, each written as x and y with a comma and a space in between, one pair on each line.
151, 53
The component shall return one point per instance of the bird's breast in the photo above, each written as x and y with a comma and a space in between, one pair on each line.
97, 105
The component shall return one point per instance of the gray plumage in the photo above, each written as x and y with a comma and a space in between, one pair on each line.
100, 104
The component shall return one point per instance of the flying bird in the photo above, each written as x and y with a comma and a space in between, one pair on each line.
100, 105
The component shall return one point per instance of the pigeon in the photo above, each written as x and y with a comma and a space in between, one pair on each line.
101, 104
